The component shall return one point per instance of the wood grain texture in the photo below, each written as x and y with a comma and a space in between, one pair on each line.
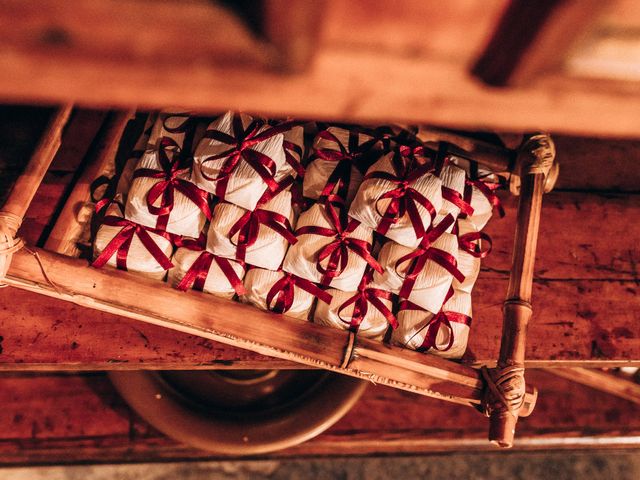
110, 53
71, 418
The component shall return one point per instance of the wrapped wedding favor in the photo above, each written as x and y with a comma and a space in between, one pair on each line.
128, 246
482, 198
240, 158
260, 237
161, 195
453, 182
331, 250
340, 157
422, 275
444, 334
282, 292
399, 198
175, 126
198, 269
367, 311
293, 144
472, 246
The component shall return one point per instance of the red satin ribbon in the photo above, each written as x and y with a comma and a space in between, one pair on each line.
337, 252
404, 199
361, 300
170, 183
441, 319
283, 292
197, 274
289, 149
346, 157
456, 198
241, 143
424, 252
248, 225
469, 243
488, 190
122, 241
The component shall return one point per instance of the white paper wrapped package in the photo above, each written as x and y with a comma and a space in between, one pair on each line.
422, 275
453, 183
482, 198
472, 246
161, 195
260, 238
444, 334
339, 157
398, 200
126, 176
128, 246
329, 252
281, 292
239, 159
172, 125
293, 143
367, 311
206, 272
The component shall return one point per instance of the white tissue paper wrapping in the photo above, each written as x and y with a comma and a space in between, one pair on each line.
169, 125
482, 208
301, 258
216, 282
319, 170
454, 178
294, 156
185, 218
258, 282
138, 258
245, 187
367, 207
374, 325
468, 264
270, 247
433, 282
411, 331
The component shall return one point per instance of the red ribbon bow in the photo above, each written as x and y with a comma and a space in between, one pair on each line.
457, 199
404, 199
122, 241
248, 225
469, 243
290, 149
361, 300
170, 183
441, 320
346, 157
488, 190
242, 142
424, 252
283, 292
337, 252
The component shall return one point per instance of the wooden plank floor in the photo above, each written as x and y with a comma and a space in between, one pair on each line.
57, 418
586, 307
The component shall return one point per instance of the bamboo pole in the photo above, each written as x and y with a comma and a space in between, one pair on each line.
506, 383
24, 189
603, 381
246, 327
74, 218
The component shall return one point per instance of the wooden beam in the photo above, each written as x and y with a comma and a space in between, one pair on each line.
114, 53
607, 382
534, 38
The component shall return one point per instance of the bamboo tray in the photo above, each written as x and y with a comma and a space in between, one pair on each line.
501, 393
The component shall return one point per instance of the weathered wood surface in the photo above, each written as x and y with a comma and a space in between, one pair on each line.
586, 307
72, 418
373, 62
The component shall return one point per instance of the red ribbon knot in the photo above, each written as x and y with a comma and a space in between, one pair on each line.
284, 294
442, 319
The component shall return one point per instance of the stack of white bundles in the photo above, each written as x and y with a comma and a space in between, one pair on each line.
444, 334
367, 311
423, 275
200, 270
482, 198
162, 196
399, 199
282, 292
293, 144
453, 183
339, 158
331, 250
240, 158
260, 237
128, 246
170, 125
